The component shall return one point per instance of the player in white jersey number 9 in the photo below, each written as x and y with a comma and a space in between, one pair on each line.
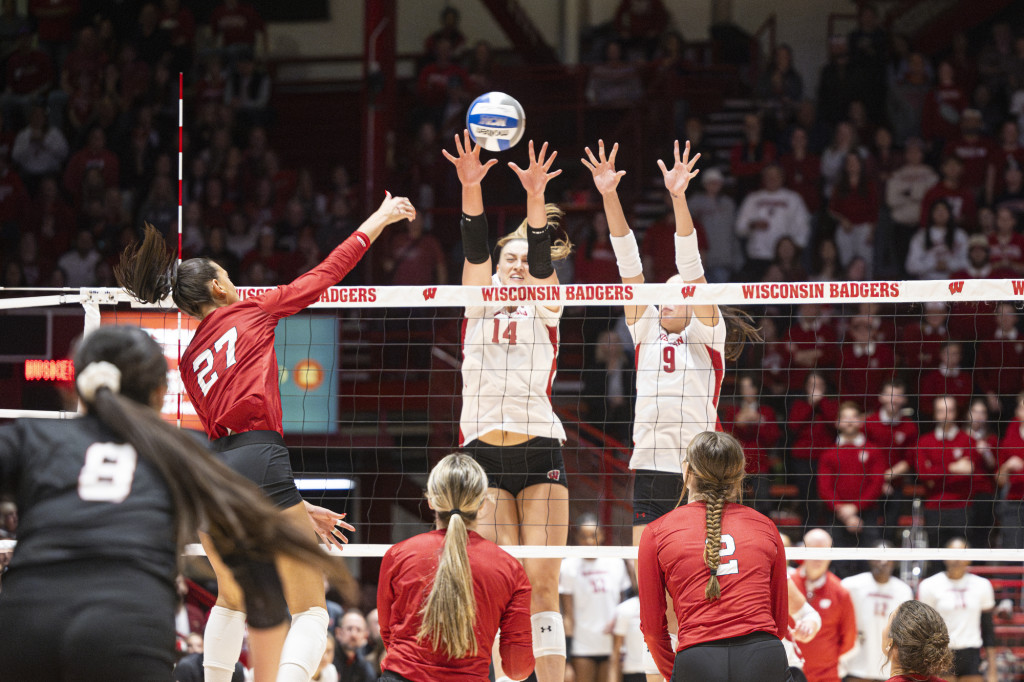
509, 355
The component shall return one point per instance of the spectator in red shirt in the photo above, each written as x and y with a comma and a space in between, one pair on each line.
983, 488
595, 260
948, 379
826, 595
756, 427
95, 155
854, 206
29, 76
920, 341
415, 257
865, 363
973, 150
802, 170
812, 429
891, 429
951, 188
442, 596
999, 362
55, 20
449, 31
812, 344
772, 358
850, 480
1011, 477
945, 464
1006, 244
441, 82
940, 118
751, 156
237, 25
1008, 152
1012, 194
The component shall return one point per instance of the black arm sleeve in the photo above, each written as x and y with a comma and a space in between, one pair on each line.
988, 629
538, 253
474, 238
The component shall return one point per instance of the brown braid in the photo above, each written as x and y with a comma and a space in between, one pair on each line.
713, 544
715, 469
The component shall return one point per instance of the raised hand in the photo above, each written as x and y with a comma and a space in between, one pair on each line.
393, 209
328, 525
606, 178
535, 178
678, 179
467, 163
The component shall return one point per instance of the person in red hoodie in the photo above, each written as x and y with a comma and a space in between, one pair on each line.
921, 340
756, 427
829, 598
850, 480
1011, 476
949, 378
945, 465
973, 150
750, 156
891, 429
983, 488
940, 117
812, 420
865, 364
916, 643
1006, 244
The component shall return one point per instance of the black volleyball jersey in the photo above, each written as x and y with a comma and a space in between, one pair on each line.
82, 495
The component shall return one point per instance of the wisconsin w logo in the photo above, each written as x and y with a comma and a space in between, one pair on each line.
429, 293
688, 291
1018, 287
956, 287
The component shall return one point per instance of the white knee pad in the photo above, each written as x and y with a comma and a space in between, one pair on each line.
304, 646
222, 643
548, 634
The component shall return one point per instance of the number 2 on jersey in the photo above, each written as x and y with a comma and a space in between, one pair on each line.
510, 332
729, 548
203, 364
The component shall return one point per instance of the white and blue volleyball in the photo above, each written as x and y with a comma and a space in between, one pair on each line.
496, 121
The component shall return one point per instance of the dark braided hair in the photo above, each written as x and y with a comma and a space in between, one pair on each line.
148, 272
717, 463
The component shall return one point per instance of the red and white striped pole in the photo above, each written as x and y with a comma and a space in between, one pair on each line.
181, 124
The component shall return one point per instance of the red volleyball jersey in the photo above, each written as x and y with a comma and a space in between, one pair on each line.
752, 577
230, 368
838, 632
502, 601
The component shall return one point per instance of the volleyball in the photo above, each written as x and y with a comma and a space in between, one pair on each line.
496, 121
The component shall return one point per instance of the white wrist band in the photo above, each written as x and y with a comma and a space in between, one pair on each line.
688, 257
808, 613
627, 255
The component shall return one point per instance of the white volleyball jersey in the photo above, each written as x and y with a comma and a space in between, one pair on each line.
508, 365
627, 626
872, 604
596, 587
960, 602
678, 382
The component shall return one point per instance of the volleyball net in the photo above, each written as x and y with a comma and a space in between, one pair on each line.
876, 410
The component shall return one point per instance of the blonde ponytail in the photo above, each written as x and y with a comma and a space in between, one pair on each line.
455, 489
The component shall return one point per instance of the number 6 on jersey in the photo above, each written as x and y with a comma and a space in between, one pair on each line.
205, 360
